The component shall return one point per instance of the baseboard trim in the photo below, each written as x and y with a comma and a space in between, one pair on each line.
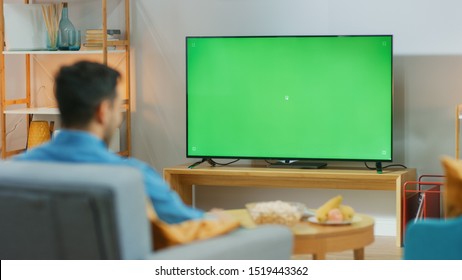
385, 227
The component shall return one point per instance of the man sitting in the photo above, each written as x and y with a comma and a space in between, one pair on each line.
90, 108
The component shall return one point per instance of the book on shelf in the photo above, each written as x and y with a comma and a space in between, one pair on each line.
98, 40
94, 31
94, 37
92, 47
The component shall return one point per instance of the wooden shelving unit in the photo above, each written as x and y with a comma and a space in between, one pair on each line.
123, 46
81, 52
458, 121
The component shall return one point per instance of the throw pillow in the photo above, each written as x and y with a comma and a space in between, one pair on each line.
166, 235
453, 187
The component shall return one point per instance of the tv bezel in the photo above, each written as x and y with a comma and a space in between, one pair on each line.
289, 159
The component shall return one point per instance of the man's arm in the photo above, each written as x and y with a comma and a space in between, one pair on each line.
167, 203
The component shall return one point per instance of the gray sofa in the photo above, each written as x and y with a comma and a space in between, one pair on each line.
81, 211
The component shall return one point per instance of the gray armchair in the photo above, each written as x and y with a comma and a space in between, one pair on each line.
81, 211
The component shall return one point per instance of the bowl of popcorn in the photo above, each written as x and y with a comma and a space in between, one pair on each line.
276, 212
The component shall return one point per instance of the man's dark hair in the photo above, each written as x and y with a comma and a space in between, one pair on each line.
80, 88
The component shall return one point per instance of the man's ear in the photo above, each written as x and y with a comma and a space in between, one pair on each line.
102, 111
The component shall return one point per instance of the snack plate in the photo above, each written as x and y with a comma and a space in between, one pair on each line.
314, 220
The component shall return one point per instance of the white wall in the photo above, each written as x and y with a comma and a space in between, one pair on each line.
428, 79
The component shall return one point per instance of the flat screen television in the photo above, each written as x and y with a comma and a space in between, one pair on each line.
290, 97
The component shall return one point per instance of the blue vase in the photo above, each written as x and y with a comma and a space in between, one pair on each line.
65, 26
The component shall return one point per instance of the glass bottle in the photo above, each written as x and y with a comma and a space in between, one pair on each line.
65, 25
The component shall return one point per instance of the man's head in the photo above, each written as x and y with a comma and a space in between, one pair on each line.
88, 99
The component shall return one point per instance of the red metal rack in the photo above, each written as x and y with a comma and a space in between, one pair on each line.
421, 199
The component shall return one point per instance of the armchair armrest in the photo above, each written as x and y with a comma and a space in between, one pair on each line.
265, 242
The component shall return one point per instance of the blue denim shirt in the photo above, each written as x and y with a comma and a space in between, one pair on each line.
83, 147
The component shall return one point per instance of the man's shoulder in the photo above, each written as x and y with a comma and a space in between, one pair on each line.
38, 153
45, 153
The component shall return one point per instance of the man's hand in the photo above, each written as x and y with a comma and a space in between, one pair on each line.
219, 214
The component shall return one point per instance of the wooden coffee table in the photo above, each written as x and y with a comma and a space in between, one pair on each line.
318, 240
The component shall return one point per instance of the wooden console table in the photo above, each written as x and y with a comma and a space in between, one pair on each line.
181, 179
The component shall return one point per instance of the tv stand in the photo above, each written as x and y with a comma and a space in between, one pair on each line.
182, 179
378, 167
298, 164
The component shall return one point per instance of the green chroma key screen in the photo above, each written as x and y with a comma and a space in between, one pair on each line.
290, 97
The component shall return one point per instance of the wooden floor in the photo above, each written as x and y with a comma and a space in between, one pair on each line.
383, 248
